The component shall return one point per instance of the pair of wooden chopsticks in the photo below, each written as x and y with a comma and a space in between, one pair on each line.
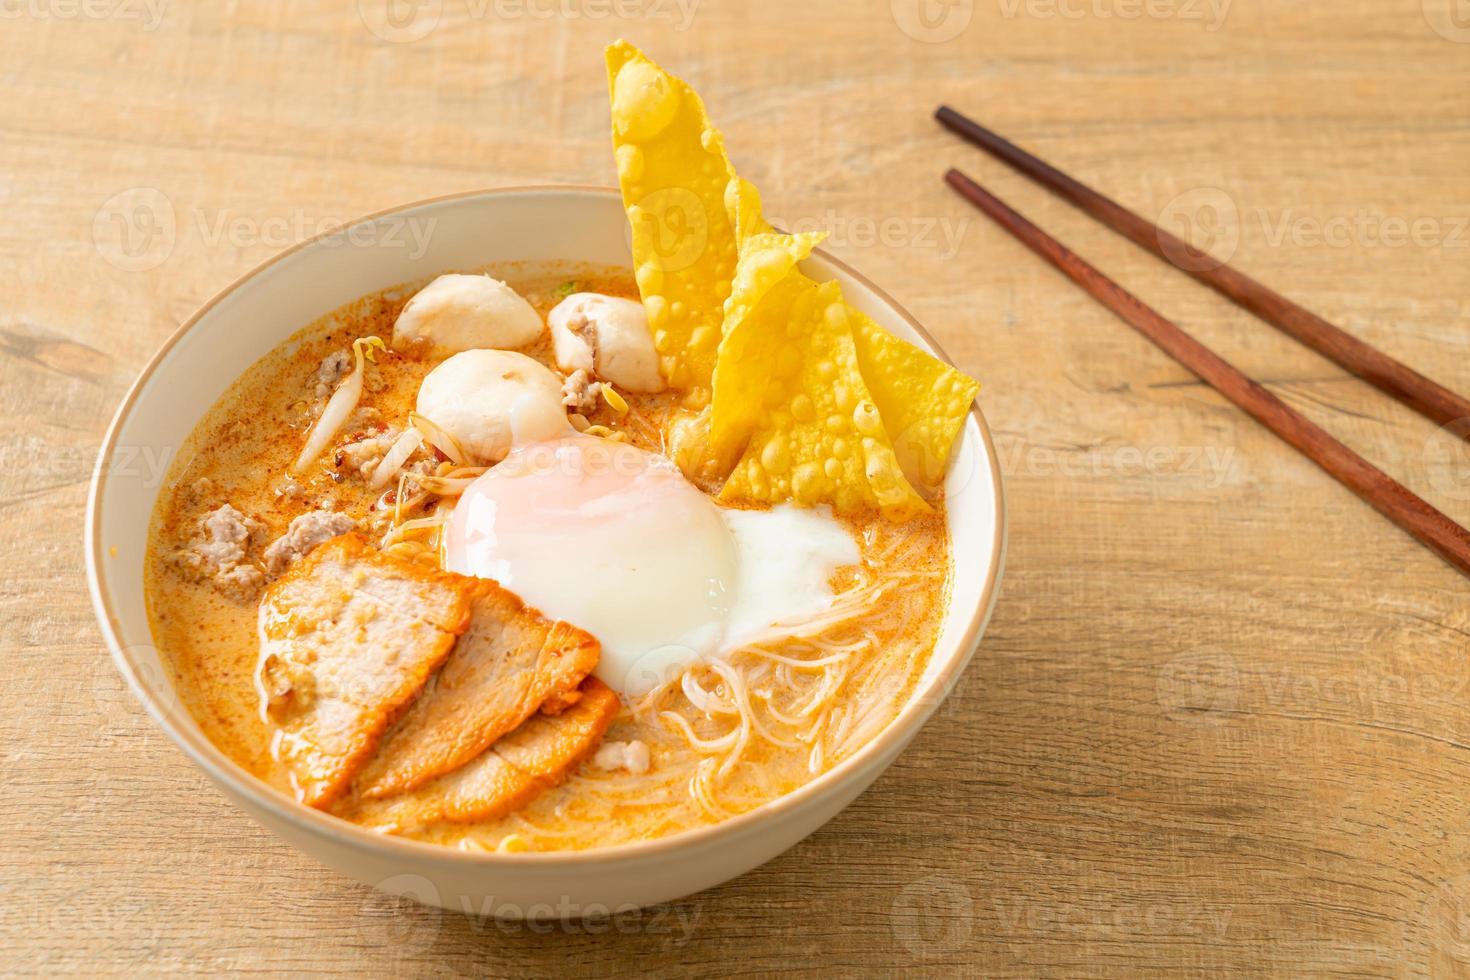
1389, 497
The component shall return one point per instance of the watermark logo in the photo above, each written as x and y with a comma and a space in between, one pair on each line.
135, 230
1446, 918
1199, 687
1447, 459
112, 700
1450, 19
933, 917
403, 912
925, 465
657, 668
1204, 229
932, 21
673, 224
115, 704
400, 21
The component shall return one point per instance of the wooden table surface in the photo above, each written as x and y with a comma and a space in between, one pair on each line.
1220, 723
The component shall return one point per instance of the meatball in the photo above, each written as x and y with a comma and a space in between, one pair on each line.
486, 399
305, 533
607, 337
460, 313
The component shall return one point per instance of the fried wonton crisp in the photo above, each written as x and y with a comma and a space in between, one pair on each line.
672, 171
767, 270
815, 401
922, 400
817, 437
743, 204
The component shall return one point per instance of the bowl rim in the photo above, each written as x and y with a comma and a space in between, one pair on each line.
226, 772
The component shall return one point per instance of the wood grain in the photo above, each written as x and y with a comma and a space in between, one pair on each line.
1393, 377
1429, 526
1218, 725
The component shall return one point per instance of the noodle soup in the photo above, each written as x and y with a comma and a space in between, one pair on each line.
546, 558
716, 731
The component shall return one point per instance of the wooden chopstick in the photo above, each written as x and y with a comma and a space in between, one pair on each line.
1389, 497
1393, 377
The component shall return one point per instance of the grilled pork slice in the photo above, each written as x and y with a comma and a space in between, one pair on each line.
507, 664
347, 637
530, 760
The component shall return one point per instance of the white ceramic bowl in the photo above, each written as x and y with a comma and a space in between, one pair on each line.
262, 309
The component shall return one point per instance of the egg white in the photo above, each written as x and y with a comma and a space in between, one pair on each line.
613, 539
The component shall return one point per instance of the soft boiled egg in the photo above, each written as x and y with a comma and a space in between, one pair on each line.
615, 540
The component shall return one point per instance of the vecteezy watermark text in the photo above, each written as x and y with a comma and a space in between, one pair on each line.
410, 911
1365, 229
148, 13
1210, 13
1207, 227
137, 229
1210, 687
941, 235
937, 21
936, 917
281, 231
1018, 457
408, 21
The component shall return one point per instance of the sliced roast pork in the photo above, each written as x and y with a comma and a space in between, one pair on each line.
508, 663
348, 636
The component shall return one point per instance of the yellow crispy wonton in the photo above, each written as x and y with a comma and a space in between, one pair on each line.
767, 261
923, 400
815, 434
811, 400
672, 171
743, 203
